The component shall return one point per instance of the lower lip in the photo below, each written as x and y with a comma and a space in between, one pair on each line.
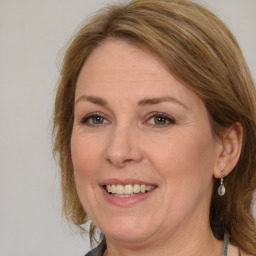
126, 201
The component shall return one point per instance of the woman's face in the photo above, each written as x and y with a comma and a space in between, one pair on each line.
137, 128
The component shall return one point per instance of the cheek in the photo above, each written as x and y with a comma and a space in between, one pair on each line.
85, 154
187, 174
186, 162
85, 159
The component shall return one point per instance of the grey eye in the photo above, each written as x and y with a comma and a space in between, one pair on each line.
161, 120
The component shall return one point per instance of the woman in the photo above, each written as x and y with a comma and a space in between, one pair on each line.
155, 131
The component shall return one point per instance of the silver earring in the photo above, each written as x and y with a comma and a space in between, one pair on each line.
221, 188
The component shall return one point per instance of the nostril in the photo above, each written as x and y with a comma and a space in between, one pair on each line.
127, 161
119, 160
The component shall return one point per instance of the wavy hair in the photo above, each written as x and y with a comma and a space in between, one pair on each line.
200, 51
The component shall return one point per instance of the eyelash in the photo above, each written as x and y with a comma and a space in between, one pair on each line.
85, 120
164, 116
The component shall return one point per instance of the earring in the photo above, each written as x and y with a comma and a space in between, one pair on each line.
222, 189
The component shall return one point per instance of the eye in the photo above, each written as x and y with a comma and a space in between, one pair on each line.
94, 120
160, 120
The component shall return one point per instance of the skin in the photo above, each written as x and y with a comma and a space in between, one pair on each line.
127, 141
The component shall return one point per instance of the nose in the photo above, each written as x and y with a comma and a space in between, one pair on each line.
123, 147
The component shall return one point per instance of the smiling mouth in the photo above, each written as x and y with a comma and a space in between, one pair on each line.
128, 190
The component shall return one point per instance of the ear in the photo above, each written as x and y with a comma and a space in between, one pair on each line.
231, 145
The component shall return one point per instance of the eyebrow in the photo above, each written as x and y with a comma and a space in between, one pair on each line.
92, 99
143, 102
154, 101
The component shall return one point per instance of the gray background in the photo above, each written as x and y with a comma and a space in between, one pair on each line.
32, 36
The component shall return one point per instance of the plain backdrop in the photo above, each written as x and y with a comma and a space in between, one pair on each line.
32, 35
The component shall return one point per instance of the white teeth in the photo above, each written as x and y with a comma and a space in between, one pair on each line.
148, 188
113, 189
109, 188
128, 190
119, 189
143, 188
136, 188
116, 195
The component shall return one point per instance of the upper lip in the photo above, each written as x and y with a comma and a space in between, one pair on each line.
125, 182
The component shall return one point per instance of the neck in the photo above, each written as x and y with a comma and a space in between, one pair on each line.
193, 241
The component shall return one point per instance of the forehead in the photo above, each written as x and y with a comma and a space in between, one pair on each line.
113, 58
119, 69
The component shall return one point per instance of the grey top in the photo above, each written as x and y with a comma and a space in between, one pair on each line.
99, 250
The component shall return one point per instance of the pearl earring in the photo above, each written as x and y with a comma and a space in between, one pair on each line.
222, 189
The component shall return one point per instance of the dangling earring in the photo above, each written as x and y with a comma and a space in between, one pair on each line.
222, 189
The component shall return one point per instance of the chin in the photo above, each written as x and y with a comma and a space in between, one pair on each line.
132, 230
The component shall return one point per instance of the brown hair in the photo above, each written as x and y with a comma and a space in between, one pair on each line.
199, 50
